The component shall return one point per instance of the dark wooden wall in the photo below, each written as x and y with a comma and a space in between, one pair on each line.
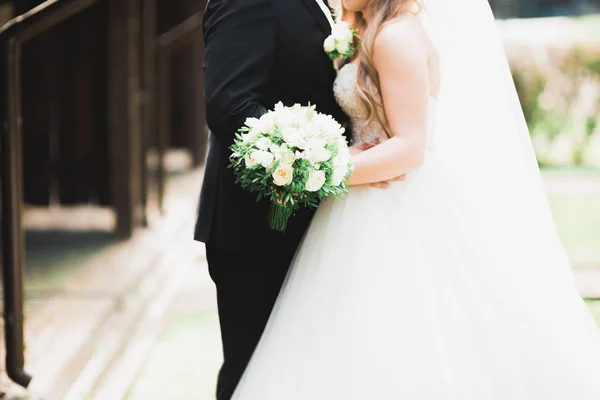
64, 81
187, 122
89, 101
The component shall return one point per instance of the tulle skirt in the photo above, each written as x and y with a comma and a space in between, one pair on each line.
418, 292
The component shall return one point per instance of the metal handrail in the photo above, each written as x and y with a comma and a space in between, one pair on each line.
12, 36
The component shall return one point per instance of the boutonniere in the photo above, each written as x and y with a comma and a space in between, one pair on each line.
340, 44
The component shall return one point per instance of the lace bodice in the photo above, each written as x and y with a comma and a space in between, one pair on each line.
349, 100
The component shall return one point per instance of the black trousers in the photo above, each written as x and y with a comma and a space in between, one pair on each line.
248, 283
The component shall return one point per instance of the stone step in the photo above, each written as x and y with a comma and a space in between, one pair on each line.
63, 333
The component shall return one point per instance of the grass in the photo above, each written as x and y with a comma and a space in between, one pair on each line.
184, 363
578, 223
594, 306
577, 215
570, 172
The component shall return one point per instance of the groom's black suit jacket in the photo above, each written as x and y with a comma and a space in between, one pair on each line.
257, 53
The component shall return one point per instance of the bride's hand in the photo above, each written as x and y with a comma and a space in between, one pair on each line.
386, 184
383, 185
354, 150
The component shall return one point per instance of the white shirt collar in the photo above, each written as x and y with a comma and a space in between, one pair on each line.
326, 11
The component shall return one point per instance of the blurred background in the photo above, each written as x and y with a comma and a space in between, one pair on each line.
104, 294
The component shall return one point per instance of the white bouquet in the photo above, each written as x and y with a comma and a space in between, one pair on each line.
293, 156
340, 44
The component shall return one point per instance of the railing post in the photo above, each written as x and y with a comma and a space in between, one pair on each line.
12, 231
149, 86
124, 112
164, 119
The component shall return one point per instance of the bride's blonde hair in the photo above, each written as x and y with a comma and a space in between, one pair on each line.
368, 85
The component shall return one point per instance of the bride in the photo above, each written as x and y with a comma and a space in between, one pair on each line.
449, 285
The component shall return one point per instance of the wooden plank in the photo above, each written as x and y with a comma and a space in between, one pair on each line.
187, 111
124, 112
164, 121
7, 12
39, 85
83, 145
149, 91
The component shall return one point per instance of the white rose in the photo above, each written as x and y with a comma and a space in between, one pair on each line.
281, 153
283, 175
279, 107
338, 176
277, 150
342, 159
250, 122
250, 136
318, 154
311, 130
342, 144
349, 35
265, 159
285, 119
291, 136
328, 125
300, 155
338, 29
340, 169
315, 142
288, 158
266, 123
300, 114
342, 32
264, 143
342, 47
329, 44
250, 159
315, 181
302, 144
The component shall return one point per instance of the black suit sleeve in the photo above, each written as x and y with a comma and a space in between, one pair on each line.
240, 42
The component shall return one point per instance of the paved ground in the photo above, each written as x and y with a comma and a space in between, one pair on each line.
184, 362
558, 184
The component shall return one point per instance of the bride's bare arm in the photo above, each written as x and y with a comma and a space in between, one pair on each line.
400, 58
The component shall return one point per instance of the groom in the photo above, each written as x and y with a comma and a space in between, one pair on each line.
257, 53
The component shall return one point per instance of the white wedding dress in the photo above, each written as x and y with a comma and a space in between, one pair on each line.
411, 293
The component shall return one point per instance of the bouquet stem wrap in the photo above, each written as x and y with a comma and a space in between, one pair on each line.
279, 214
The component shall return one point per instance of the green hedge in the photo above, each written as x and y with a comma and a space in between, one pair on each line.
559, 89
